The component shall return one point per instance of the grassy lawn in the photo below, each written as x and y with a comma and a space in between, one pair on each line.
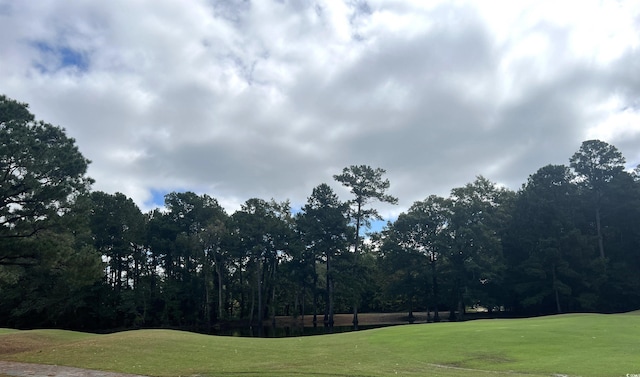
575, 345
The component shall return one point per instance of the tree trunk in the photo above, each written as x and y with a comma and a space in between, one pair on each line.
555, 289
220, 296
303, 308
461, 310
355, 316
410, 296
355, 263
457, 309
207, 300
252, 310
273, 306
216, 261
315, 296
326, 302
136, 271
273, 292
328, 315
599, 231
243, 294
436, 298
331, 322
259, 274
411, 317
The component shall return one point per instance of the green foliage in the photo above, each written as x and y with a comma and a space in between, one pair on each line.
46, 260
186, 251
411, 251
265, 237
42, 174
366, 185
568, 241
52, 292
475, 264
325, 232
546, 246
597, 163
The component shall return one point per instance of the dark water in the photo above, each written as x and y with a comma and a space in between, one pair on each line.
282, 332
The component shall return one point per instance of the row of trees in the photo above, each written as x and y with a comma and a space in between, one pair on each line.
568, 240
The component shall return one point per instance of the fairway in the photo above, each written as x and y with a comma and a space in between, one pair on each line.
574, 345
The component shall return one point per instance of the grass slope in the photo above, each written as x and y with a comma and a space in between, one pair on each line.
576, 345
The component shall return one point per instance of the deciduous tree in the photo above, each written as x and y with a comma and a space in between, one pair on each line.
478, 216
419, 233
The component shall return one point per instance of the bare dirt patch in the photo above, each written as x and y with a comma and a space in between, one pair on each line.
9, 368
20, 343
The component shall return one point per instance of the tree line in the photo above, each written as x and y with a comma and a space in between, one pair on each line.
568, 240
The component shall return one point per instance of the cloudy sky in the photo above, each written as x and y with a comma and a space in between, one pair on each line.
269, 98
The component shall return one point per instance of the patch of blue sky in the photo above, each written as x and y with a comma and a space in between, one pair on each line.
5, 8
158, 195
58, 57
157, 199
377, 226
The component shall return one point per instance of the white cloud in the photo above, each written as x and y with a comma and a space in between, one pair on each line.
243, 99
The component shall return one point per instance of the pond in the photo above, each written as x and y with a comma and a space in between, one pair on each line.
282, 332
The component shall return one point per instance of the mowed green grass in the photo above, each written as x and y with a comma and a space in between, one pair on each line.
575, 345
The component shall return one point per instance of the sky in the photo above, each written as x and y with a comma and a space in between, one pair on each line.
241, 99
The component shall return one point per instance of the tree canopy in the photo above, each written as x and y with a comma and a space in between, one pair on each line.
42, 171
46, 257
568, 240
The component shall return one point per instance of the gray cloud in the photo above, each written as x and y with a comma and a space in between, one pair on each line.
244, 99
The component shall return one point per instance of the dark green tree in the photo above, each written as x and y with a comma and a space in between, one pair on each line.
265, 235
620, 231
366, 185
403, 270
547, 253
55, 292
44, 253
118, 228
41, 174
197, 255
596, 164
417, 237
162, 233
478, 217
325, 231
